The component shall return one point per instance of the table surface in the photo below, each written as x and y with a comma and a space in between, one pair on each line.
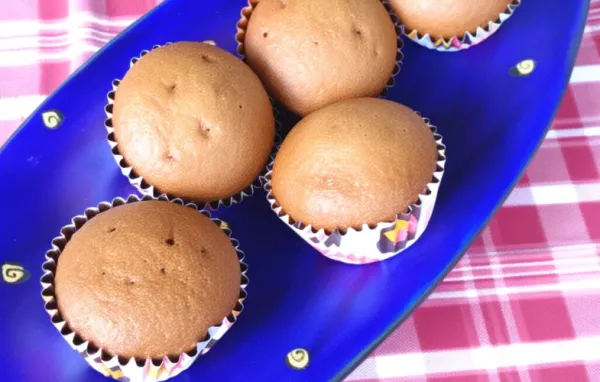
522, 305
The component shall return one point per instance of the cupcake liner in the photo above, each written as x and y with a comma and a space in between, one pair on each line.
246, 13
146, 370
138, 181
456, 43
370, 244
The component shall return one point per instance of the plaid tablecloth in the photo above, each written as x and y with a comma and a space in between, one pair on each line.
522, 305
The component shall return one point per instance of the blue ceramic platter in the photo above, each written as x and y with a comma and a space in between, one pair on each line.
492, 123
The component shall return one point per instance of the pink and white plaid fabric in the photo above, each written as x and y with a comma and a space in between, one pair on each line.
522, 305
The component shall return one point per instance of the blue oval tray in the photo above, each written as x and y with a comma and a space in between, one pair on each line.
492, 122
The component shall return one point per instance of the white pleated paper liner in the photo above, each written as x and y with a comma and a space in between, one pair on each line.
246, 13
146, 370
470, 38
371, 244
147, 189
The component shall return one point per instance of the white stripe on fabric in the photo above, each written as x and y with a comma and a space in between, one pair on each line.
591, 28
591, 266
555, 194
15, 108
551, 194
569, 251
55, 42
592, 131
563, 286
507, 314
411, 364
585, 74
570, 260
485, 358
34, 57
11, 29
476, 311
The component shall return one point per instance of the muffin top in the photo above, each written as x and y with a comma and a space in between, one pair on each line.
448, 18
194, 121
311, 53
147, 279
354, 162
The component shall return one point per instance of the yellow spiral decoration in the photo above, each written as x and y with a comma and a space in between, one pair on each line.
298, 359
13, 273
525, 67
52, 119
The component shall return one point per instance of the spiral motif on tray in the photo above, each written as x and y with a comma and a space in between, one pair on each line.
297, 359
13, 273
52, 119
523, 68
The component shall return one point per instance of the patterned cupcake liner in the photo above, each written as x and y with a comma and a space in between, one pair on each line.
456, 43
370, 244
146, 370
140, 183
246, 13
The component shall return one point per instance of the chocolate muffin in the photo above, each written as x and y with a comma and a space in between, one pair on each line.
194, 121
147, 279
355, 162
311, 53
448, 18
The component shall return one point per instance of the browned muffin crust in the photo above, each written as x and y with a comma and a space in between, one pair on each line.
194, 121
448, 18
354, 162
311, 53
147, 279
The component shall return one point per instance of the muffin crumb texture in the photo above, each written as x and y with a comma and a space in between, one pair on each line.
147, 279
194, 121
312, 53
356, 162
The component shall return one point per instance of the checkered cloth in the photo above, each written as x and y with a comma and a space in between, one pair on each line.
522, 305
